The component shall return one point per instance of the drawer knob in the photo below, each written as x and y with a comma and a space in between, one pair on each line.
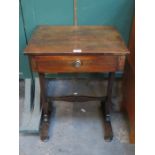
77, 63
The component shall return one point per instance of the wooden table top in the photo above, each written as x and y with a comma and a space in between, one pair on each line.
52, 40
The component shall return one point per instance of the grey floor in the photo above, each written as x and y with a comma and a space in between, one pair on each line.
77, 128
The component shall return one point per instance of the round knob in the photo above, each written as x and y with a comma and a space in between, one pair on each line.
77, 63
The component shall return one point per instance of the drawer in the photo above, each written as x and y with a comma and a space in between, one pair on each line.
73, 64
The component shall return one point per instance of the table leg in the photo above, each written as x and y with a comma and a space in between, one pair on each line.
44, 105
106, 106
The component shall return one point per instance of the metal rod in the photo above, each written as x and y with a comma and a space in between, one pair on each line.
75, 13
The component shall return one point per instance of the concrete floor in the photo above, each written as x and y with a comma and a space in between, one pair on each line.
77, 128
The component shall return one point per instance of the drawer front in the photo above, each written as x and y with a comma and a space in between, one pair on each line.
71, 64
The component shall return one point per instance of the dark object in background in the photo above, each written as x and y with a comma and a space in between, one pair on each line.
128, 104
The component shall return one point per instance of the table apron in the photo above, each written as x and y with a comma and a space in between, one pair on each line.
77, 64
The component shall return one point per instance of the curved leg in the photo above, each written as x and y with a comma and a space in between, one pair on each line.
44, 105
106, 105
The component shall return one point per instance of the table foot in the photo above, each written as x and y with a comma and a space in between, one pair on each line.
108, 133
44, 128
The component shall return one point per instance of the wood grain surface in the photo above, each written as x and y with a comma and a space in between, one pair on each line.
67, 39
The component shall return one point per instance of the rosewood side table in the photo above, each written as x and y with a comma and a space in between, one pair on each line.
76, 49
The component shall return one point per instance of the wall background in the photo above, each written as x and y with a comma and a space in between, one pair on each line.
118, 13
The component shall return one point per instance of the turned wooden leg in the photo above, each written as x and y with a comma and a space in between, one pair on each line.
106, 106
44, 105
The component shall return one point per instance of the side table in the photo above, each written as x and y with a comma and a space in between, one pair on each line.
76, 49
